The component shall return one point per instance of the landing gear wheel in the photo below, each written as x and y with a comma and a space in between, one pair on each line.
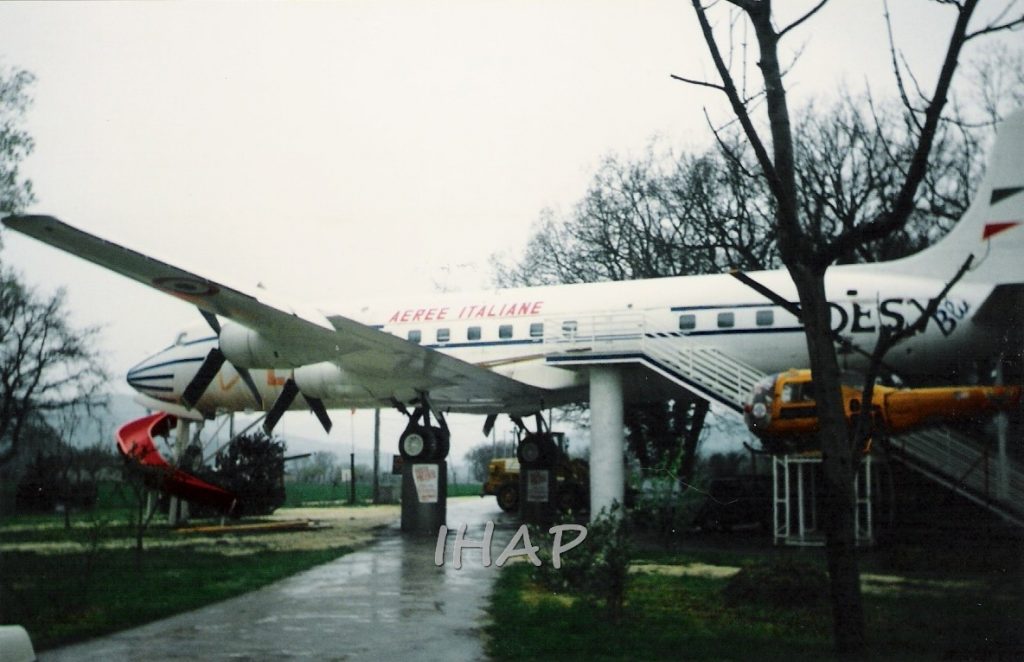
535, 450
443, 444
417, 443
423, 444
508, 498
421, 441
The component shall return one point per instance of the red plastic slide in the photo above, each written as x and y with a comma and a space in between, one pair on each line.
135, 441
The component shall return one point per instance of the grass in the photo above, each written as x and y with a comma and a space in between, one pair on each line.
939, 613
76, 596
87, 581
68, 584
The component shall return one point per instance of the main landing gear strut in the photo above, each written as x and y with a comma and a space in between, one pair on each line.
424, 447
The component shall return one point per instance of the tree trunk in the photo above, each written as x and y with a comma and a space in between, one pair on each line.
839, 465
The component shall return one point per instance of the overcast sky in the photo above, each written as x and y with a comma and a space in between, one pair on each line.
335, 150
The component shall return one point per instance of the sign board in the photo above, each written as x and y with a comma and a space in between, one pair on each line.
537, 485
425, 477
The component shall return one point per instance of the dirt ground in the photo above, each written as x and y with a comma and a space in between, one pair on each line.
303, 529
326, 528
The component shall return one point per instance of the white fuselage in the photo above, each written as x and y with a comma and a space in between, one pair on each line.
512, 331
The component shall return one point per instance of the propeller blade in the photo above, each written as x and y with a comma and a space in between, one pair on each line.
489, 424
316, 405
281, 405
207, 371
211, 319
251, 384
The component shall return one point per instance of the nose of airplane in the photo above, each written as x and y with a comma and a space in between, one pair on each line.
155, 377
165, 374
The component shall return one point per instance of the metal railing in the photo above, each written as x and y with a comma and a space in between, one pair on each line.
591, 339
966, 466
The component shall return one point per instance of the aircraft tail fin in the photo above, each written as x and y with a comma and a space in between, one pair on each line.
992, 228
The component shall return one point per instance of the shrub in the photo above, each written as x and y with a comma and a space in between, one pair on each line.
598, 569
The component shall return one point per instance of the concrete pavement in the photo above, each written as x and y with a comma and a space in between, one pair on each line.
387, 601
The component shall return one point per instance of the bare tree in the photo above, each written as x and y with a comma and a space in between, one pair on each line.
658, 215
46, 365
807, 250
15, 142
143, 481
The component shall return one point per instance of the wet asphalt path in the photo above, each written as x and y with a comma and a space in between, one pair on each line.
387, 601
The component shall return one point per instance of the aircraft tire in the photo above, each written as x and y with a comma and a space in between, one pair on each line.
508, 497
443, 444
535, 450
417, 444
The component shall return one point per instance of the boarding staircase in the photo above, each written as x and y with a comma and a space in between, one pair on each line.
950, 458
626, 338
966, 466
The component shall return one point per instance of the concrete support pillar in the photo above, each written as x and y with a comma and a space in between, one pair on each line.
178, 511
424, 497
607, 439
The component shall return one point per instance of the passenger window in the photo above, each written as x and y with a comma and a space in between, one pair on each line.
569, 328
537, 330
473, 333
444, 335
726, 320
415, 336
505, 331
687, 322
765, 317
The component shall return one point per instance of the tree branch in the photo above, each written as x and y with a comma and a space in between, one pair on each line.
701, 83
996, 28
897, 215
803, 18
729, 88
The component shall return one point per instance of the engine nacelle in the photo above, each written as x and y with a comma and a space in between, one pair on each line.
325, 381
247, 349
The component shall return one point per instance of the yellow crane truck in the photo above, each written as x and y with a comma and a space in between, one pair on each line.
781, 409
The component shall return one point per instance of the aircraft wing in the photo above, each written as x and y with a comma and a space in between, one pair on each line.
361, 350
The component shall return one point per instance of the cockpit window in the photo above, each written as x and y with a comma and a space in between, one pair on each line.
797, 392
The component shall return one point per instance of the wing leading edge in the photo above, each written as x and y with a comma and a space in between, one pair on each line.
359, 349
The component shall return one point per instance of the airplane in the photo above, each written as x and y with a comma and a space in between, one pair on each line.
487, 352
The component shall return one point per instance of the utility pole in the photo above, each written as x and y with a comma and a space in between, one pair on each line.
352, 479
352, 460
376, 455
